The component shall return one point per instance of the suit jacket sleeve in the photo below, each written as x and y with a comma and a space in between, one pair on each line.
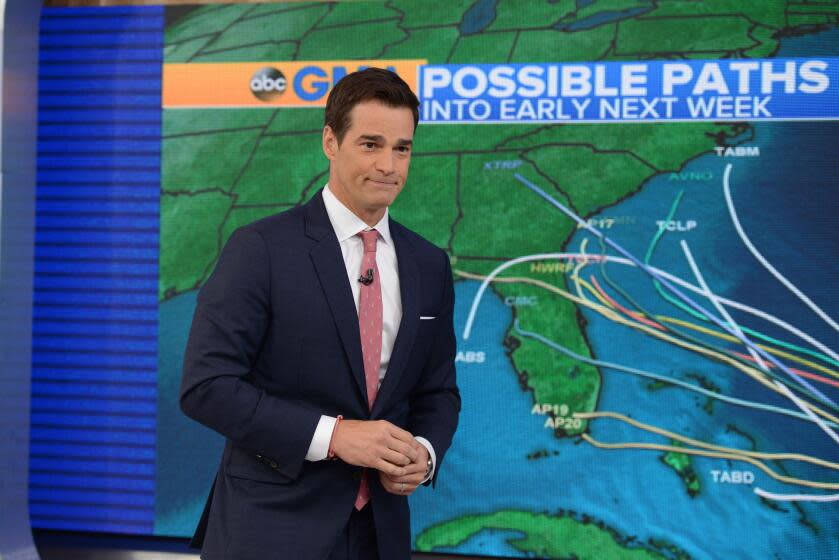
231, 318
435, 401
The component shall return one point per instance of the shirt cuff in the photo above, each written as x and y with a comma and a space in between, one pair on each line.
427, 444
319, 448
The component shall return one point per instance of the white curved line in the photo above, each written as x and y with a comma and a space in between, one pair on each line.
721, 310
712, 297
760, 258
476, 301
796, 497
576, 274
624, 261
803, 406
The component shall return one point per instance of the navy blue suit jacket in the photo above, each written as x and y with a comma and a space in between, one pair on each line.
275, 344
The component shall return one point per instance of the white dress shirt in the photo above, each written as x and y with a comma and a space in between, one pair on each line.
347, 226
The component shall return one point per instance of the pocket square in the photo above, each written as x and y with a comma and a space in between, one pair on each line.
424, 318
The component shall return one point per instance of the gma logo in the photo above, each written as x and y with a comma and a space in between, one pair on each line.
313, 82
266, 84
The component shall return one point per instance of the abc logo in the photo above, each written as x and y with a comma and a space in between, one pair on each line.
268, 83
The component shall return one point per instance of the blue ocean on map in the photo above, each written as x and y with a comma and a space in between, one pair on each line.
787, 200
180, 492
630, 491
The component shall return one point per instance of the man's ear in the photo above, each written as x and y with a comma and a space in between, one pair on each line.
330, 143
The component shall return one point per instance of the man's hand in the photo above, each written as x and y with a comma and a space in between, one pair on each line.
376, 444
405, 485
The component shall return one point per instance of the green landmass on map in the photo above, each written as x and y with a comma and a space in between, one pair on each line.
705, 383
564, 535
683, 466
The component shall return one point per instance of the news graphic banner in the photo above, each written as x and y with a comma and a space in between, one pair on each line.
604, 414
772, 89
631, 91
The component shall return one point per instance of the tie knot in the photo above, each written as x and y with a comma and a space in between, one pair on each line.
369, 238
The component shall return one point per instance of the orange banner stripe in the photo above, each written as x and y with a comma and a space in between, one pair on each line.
266, 84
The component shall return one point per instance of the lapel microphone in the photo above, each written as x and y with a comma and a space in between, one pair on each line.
366, 279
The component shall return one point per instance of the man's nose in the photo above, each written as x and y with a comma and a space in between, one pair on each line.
384, 162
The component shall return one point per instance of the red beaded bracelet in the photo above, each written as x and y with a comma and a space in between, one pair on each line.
331, 452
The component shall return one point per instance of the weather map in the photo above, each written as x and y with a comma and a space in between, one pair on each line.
648, 349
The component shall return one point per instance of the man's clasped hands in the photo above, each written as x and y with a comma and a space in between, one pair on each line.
398, 457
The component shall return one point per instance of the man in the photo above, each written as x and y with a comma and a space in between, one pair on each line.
322, 348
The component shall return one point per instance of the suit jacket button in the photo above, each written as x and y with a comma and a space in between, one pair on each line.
273, 464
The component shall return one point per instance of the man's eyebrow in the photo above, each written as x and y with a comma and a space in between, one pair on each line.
378, 138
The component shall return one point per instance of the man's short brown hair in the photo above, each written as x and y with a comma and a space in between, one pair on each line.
367, 85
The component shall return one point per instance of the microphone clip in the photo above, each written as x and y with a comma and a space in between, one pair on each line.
366, 279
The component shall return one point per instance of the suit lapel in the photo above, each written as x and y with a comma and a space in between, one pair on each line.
332, 274
408, 288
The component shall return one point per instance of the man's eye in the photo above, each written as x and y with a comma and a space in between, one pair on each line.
403, 149
369, 145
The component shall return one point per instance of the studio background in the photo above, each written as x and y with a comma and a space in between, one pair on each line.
144, 171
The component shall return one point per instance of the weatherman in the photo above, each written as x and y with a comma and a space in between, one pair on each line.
322, 348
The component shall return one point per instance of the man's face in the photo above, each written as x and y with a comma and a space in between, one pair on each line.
370, 165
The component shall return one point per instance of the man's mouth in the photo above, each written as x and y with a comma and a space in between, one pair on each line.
385, 182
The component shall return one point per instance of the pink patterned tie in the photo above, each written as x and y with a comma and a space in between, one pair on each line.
370, 327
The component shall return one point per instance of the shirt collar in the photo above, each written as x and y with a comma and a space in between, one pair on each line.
346, 224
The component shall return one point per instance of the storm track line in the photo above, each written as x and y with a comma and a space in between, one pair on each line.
801, 372
640, 317
796, 497
727, 337
700, 279
689, 311
829, 355
670, 286
754, 373
762, 260
713, 454
783, 389
705, 445
663, 378
803, 406
597, 291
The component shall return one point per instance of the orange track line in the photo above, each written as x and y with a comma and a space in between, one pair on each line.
648, 322
802, 373
637, 316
